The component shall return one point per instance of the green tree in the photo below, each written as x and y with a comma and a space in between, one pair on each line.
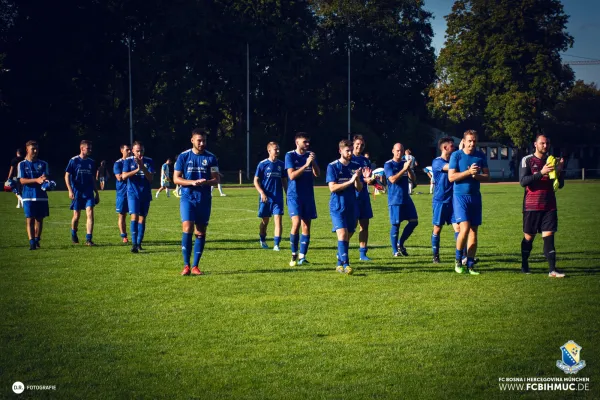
501, 66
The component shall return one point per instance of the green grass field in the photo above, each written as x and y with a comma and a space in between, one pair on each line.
104, 323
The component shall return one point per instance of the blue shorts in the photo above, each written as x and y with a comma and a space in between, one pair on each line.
36, 209
305, 208
365, 211
138, 206
79, 203
196, 211
467, 208
443, 213
122, 206
403, 212
343, 220
270, 208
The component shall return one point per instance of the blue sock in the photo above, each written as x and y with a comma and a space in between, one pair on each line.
435, 244
123, 235
37, 240
339, 260
88, 237
186, 247
408, 230
394, 237
341, 252
346, 259
133, 227
464, 252
31, 242
141, 231
294, 243
198, 249
262, 237
304, 242
470, 262
73, 232
363, 251
277, 240
458, 255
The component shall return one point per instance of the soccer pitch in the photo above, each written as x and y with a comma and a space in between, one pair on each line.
104, 323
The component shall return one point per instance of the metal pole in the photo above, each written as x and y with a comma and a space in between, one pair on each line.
130, 95
247, 111
348, 91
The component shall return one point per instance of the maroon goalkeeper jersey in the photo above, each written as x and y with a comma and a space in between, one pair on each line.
539, 192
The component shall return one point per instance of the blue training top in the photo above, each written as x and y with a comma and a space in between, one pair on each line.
138, 186
121, 185
33, 170
193, 167
397, 192
82, 176
340, 173
443, 189
363, 162
460, 161
269, 175
302, 187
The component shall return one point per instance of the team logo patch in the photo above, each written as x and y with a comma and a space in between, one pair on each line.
204, 162
571, 362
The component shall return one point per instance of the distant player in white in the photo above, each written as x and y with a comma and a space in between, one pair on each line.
429, 171
165, 177
412, 161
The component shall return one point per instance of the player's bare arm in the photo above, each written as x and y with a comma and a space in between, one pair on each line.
263, 196
394, 178
455, 176
484, 176
339, 187
26, 181
147, 174
69, 188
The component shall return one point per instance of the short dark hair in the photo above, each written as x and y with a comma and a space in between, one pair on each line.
272, 144
123, 146
302, 135
345, 143
470, 132
31, 143
199, 131
444, 140
358, 137
85, 143
19, 151
541, 134
138, 142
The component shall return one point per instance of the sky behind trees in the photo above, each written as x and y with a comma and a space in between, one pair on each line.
584, 26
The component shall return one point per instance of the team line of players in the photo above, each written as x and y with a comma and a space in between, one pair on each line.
456, 200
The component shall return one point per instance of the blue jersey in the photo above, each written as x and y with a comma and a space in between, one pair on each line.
121, 185
138, 186
165, 172
82, 176
193, 167
269, 175
460, 161
33, 170
442, 191
302, 187
363, 162
397, 192
340, 173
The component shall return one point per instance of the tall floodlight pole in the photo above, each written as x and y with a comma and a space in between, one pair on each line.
247, 111
348, 90
130, 96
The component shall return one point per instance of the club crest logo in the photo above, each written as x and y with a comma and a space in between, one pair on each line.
571, 362
204, 162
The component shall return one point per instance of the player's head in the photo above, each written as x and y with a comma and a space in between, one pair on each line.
302, 140
542, 144
345, 147
358, 143
397, 151
19, 153
273, 149
407, 152
169, 161
446, 144
125, 150
137, 149
32, 149
85, 147
470, 141
103, 163
199, 139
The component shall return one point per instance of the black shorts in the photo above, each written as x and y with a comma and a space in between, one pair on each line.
540, 221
